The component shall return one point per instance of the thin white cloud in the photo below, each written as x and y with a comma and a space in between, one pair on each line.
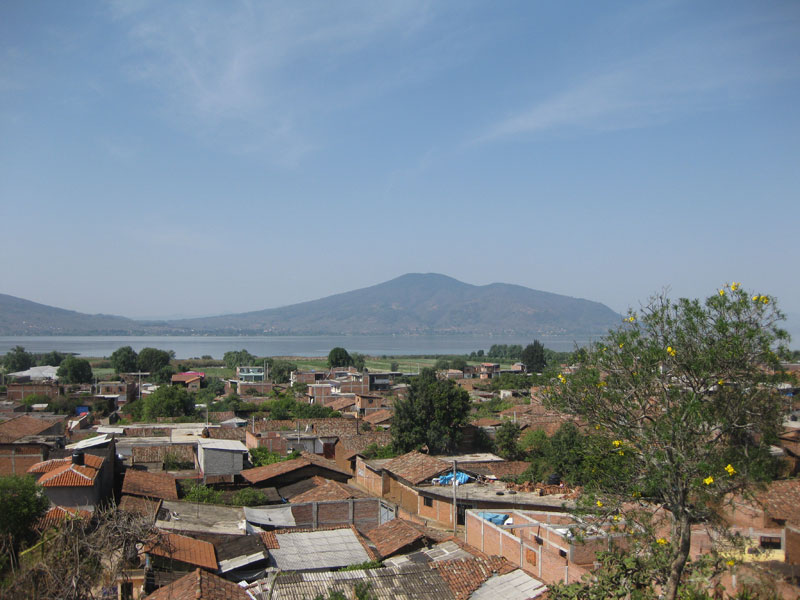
246, 74
698, 69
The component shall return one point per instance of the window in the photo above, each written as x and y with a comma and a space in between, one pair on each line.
770, 542
427, 501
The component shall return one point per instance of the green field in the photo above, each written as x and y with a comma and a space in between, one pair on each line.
215, 368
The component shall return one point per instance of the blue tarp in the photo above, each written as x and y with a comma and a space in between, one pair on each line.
496, 518
448, 478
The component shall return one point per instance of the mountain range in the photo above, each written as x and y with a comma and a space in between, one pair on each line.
410, 304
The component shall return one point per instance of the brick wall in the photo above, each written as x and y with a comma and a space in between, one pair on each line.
441, 512
271, 440
369, 479
16, 459
18, 391
792, 545
364, 513
401, 494
537, 550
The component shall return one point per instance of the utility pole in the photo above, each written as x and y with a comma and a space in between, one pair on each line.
455, 500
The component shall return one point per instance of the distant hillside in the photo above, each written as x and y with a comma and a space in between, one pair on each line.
423, 304
410, 304
23, 317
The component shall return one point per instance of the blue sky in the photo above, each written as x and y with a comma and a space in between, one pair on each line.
192, 158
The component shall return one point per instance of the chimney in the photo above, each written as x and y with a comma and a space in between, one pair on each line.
77, 458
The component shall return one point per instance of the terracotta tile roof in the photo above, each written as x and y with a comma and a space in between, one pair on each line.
56, 514
341, 403
152, 485
416, 467
782, 500
270, 540
486, 422
466, 575
327, 489
184, 549
259, 474
154, 454
63, 473
19, 427
227, 433
136, 505
273, 425
379, 416
187, 377
357, 443
324, 462
48, 465
200, 585
393, 536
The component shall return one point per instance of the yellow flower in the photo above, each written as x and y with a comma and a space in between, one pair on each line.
621, 453
630, 319
617, 443
671, 351
597, 427
621, 345
561, 378
735, 285
661, 541
722, 292
764, 299
617, 518
636, 494
708, 480
755, 298
721, 382
730, 563
599, 504
731, 471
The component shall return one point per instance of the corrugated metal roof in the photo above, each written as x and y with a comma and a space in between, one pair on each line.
319, 550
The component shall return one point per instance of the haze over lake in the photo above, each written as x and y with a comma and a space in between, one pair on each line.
189, 347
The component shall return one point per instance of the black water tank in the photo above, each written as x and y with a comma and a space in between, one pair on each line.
77, 458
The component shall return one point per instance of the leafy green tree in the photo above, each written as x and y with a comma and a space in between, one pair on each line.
240, 358
566, 453
506, 440
51, 359
683, 394
533, 357
17, 359
151, 360
197, 492
433, 414
339, 357
394, 366
249, 497
441, 364
459, 363
164, 374
262, 456
359, 361
23, 504
167, 401
124, 360
281, 371
75, 370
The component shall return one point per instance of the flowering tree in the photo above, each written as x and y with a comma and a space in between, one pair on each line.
682, 396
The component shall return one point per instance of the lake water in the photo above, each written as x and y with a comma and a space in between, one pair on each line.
216, 346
